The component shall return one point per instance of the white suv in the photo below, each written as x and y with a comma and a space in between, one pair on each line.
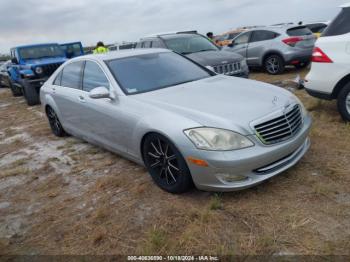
329, 77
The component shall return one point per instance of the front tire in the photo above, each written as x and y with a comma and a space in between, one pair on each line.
166, 165
16, 91
344, 102
274, 65
30, 94
55, 123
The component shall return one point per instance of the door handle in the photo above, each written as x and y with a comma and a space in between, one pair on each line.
81, 99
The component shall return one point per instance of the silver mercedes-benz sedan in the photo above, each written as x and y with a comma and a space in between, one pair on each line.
185, 124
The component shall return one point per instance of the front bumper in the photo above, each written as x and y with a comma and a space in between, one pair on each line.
37, 82
255, 164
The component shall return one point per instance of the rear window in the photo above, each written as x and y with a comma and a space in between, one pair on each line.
340, 25
316, 28
262, 35
299, 31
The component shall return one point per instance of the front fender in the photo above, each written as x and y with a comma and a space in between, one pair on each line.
172, 129
47, 100
26, 72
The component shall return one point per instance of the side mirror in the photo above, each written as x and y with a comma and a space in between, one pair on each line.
99, 92
14, 60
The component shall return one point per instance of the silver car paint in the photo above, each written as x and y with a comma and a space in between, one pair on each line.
256, 52
119, 123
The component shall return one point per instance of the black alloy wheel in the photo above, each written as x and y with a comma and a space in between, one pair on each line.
165, 164
55, 123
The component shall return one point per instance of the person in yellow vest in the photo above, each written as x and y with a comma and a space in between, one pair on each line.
100, 48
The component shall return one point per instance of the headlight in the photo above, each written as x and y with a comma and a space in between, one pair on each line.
244, 63
217, 139
38, 70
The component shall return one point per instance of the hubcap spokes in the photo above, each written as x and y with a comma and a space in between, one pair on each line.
272, 65
347, 102
55, 123
163, 160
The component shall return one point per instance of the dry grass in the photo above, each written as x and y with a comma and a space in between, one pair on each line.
95, 202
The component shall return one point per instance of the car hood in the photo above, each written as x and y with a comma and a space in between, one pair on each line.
221, 101
211, 58
45, 61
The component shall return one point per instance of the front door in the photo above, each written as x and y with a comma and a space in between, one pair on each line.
240, 44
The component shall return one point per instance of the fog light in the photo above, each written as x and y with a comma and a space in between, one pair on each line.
231, 178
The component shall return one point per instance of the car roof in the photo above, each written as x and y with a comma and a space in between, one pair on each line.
122, 54
345, 5
33, 45
171, 33
319, 22
278, 28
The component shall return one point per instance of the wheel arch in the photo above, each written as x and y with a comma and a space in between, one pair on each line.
270, 53
339, 86
149, 132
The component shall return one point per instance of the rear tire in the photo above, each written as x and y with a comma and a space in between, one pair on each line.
166, 165
16, 91
30, 94
55, 123
274, 65
344, 102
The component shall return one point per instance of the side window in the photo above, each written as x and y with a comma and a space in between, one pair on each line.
340, 25
57, 81
262, 35
71, 75
138, 45
157, 44
242, 39
146, 44
94, 77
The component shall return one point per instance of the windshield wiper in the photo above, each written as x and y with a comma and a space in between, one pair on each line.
203, 50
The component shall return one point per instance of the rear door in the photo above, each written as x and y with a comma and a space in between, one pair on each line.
67, 94
240, 44
260, 40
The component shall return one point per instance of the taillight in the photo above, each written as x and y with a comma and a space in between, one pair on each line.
318, 56
292, 41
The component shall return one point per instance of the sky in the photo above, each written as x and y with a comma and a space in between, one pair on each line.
110, 21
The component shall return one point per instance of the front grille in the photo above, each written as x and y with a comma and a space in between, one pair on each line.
280, 128
48, 70
228, 69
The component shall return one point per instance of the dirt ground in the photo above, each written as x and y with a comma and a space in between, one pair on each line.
64, 196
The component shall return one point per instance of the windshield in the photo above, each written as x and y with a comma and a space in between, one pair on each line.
36, 52
190, 44
144, 73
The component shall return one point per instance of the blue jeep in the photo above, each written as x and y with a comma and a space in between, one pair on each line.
32, 65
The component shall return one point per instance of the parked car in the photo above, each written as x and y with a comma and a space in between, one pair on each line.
32, 65
122, 46
226, 38
317, 28
73, 49
274, 47
329, 77
4, 76
185, 123
199, 49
